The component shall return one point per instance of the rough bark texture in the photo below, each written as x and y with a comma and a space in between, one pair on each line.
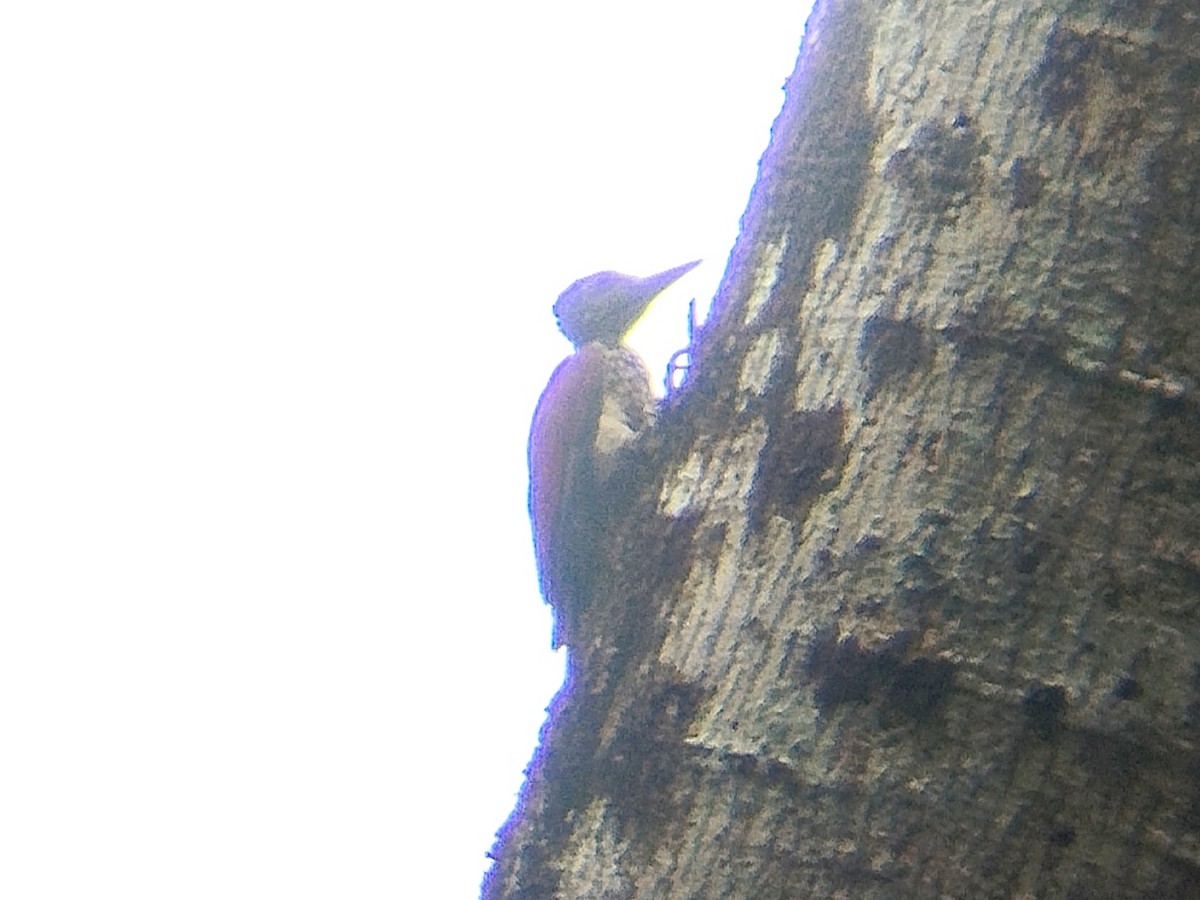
904, 591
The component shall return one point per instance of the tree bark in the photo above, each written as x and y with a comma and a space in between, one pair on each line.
902, 589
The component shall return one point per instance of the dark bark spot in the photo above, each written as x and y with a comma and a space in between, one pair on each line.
712, 539
846, 672
1114, 759
1061, 837
919, 687
842, 671
1026, 181
1062, 72
924, 592
803, 458
1098, 85
939, 168
1043, 706
1162, 18
1190, 815
892, 350
980, 333
917, 568
646, 758
770, 773
1028, 554
670, 563
1127, 688
867, 544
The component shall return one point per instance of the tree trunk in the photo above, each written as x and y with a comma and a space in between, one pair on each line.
903, 588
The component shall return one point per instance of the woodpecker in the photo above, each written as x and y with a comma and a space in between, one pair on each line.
597, 401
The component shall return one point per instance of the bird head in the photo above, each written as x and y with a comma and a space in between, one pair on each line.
603, 307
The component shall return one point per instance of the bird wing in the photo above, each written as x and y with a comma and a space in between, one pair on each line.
561, 442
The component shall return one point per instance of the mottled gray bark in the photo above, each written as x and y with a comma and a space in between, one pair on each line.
903, 595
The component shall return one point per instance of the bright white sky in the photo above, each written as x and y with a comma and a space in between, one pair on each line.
274, 314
